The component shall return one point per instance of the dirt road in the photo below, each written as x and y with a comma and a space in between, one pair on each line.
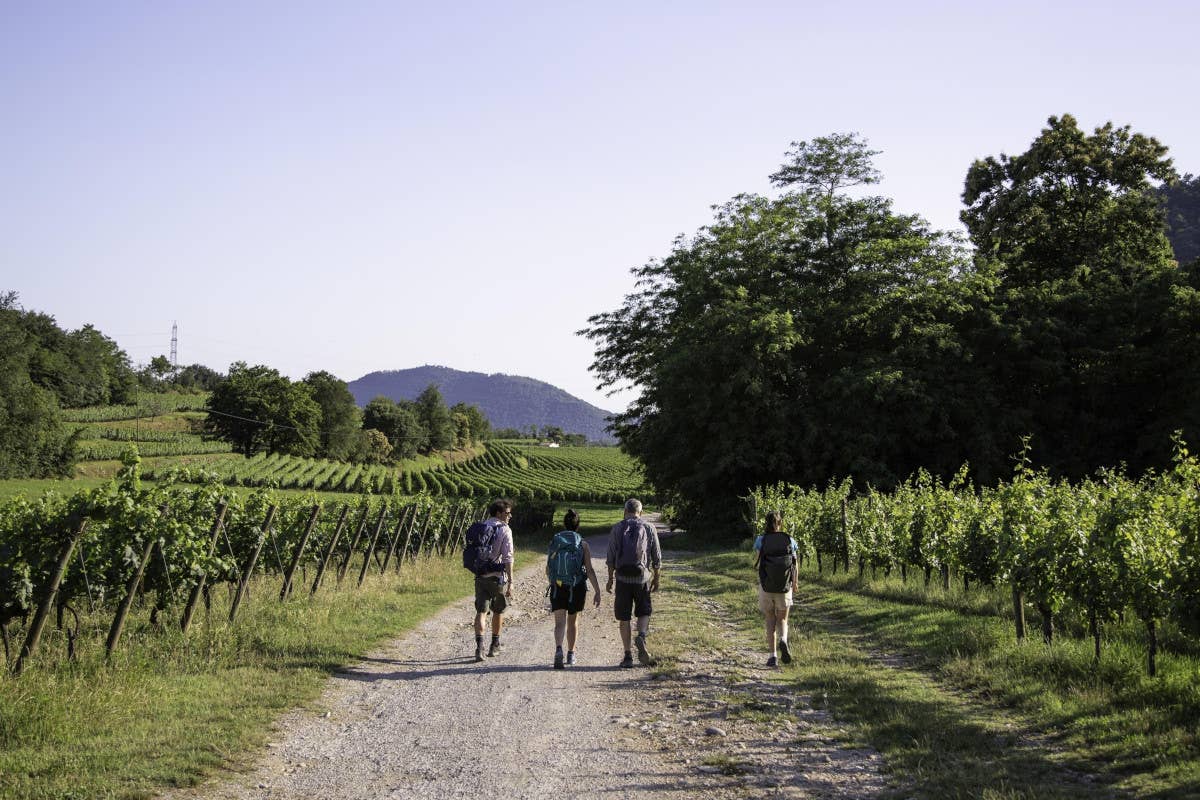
420, 719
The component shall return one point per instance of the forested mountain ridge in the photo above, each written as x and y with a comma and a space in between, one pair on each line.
508, 401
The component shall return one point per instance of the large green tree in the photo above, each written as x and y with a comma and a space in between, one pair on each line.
399, 422
1181, 203
341, 419
435, 416
796, 338
258, 409
33, 442
1074, 342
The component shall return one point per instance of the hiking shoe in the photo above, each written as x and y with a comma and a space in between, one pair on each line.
627, 661
570, 658
785, 655
643, 654
494, 649
479, 654
771, 662
558, 659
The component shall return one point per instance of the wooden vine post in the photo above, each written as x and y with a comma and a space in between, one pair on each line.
845, 539
298, 553
34, 636
1019, 612
118, 623
194, 597
337, 532
395, 537
456, 534
404, 551
362, 574
358, 532
251, 563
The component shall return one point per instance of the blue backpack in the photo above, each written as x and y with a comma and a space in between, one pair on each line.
564, 561
477, 549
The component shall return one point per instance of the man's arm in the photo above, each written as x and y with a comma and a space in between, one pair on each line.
610, 559
591, 572
507, 555
655, 557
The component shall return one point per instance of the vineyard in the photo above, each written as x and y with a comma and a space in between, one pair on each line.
1091, 552
521, 472
166, 547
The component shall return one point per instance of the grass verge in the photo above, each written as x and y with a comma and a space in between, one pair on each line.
957, 709
171, 710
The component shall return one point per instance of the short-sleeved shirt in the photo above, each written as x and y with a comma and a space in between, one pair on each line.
653, 552
502, 546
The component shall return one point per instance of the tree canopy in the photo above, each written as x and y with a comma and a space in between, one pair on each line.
813, 336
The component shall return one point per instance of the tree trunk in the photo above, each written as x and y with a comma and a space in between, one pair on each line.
945, 577
1094, 628
928, 576
1047, 623
1152, 649
819, 567
1019, 613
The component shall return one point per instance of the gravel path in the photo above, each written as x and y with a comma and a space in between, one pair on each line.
420, 719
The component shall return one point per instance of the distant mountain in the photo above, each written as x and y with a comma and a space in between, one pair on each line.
508, 401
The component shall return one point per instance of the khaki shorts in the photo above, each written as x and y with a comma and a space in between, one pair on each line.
774, 602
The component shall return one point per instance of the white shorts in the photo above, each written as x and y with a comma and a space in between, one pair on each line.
774, 602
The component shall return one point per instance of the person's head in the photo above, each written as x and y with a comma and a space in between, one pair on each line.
633, 508
571, 520
500, 509
774, 521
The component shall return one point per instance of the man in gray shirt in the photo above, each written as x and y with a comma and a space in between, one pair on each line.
634, 559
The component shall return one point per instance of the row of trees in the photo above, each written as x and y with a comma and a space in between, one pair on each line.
256, 409
819, 333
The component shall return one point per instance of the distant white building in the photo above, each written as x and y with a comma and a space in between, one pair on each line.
549, 444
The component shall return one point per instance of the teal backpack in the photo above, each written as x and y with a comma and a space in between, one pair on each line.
564, 562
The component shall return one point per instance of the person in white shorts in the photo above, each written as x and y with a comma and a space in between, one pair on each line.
775, 560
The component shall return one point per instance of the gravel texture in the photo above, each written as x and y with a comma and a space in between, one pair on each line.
419, 719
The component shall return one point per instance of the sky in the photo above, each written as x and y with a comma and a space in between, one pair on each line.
357, 186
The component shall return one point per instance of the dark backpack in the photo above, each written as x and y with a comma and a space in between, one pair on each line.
477, 549
776, 563
631, 548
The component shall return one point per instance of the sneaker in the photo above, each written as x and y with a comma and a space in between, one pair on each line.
558, 659
643, 654
785, 655
494, 649
771, 662
570, 658
627, 661
479, 653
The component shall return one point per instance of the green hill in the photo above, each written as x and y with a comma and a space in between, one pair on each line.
509, 401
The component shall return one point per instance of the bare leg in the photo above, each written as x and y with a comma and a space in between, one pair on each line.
561, 626
626, 638
783, 625
572, 630
643, 625
479, 624
771, 621
497, 623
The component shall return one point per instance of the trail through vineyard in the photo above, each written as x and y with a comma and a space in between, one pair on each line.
420, 719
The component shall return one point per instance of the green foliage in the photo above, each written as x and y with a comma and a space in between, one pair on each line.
399, 422
435, 417
1100, 547
794, 338
340, 420
257, 409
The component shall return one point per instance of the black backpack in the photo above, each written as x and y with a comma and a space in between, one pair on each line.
776, 564
477, 549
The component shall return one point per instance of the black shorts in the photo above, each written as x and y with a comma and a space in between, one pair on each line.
489, 592
631, 600
564, 598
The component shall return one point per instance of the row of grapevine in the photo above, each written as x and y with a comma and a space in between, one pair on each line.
170, 542
1103, 546
111, 450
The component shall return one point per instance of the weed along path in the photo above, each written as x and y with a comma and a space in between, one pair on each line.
420, 719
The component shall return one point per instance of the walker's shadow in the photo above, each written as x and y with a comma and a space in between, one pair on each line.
462, 666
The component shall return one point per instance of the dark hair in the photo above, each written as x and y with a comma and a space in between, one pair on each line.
571, 520
498, 506
774, 521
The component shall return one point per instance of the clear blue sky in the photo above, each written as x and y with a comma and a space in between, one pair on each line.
362, 186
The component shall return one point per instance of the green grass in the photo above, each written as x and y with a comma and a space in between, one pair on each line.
959, 710
169, 710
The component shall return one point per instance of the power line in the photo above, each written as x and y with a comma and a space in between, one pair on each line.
290, 427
